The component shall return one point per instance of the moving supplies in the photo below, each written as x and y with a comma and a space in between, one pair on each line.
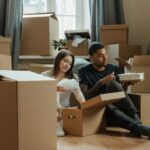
39, 68
114, 34
27, 111
77, 41
88, 119
5, 58
38, 33
139, 64
5, 44
142, 102
122, 50
5, 62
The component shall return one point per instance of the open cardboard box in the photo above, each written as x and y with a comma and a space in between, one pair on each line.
88, 119
139, 64
82, 48
27, 111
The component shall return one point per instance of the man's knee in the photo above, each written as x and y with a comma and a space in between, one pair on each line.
114, 86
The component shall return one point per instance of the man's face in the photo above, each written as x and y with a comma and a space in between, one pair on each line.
99, 59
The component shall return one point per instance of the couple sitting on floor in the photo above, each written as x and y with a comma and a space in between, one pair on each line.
95, 78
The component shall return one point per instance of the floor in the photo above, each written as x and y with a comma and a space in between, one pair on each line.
111, 140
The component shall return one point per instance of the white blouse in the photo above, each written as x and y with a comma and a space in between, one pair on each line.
71, 86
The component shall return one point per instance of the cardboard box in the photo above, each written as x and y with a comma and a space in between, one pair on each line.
89, 118
5, 43
38, 33
39, 68
27, 111
122, 50
142, 102
139, 64
81, 50
114, 34
5, 62
78, 36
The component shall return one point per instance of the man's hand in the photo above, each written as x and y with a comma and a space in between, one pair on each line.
108, 78
125, 84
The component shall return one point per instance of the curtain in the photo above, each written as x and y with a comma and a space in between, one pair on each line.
105, 12
10, 25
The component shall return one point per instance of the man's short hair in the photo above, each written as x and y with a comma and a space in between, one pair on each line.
94, 47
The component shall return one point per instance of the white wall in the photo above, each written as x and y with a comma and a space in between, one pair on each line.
137, 16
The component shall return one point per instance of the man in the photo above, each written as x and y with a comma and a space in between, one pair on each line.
100, 77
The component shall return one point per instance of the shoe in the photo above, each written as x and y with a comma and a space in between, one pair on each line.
141, 129
60, 131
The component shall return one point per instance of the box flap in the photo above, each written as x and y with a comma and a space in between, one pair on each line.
81, 33
143, 60
123, 62
50, 14
23, 76
103, 99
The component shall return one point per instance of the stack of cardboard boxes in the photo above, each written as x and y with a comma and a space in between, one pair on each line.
5, 58
115, 38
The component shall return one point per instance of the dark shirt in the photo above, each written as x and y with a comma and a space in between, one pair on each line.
89, 76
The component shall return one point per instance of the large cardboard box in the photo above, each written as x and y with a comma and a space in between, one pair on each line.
142, 102
39, 68
139, 64
38, 33
5, 62
27, 111
124, 51
113, 34
88, 119
5, 43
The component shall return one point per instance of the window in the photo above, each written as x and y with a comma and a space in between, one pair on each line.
34, 6
67, 11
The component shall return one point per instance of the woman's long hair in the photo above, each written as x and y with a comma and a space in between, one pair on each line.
63, 53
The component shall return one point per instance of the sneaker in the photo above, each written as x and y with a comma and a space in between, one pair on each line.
60, 131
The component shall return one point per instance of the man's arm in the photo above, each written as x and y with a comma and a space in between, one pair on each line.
96, 89
92, 92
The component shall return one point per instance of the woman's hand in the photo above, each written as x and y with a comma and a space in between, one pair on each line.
60, 89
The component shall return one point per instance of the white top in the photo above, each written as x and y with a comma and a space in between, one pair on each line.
71, 86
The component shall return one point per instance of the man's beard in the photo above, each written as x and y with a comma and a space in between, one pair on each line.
99, 65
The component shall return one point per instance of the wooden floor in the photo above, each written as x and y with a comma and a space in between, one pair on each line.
111, 140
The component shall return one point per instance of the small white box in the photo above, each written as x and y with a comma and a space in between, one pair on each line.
131, 76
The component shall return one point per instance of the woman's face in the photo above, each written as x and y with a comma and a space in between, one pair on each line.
65, 64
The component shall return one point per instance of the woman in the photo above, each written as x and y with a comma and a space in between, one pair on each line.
66, 84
